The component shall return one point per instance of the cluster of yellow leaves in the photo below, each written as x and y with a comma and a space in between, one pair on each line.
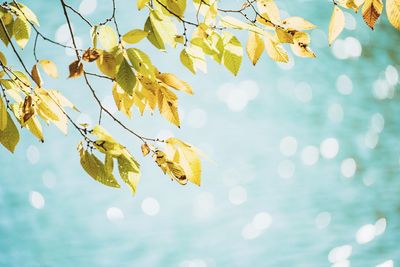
17, 22
371, 11
179, 160
102, 171
138, 83
31, 103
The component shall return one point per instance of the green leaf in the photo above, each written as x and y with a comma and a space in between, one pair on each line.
233, 53
97, 169
134, 36
125, 78
9, 137
107, 37
22, 31
129, 171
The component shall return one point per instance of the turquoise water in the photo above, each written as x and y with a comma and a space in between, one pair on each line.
265, 199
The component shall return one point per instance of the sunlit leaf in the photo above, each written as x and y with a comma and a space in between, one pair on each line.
336, 24
254, 47
371, 11
9, 137
393, 12
49, 68
134, 36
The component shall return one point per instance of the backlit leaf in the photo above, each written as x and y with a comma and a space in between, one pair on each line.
125, 77
97, 169
21, 31
393, 12
254, 47
9, 137
336, 24
3, 115
49, 68
371, 11
174, 82
134, 36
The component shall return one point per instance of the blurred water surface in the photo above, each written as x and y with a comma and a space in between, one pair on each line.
304, 169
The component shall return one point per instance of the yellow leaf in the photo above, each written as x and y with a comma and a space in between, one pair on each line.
168, 105
188, 159
49, 68
141, 62
3, 116
125, 77
269, 10
9, 137
141, 3
234, 23
371, 11
284, 36
255, 47
336, 24
21, 31
26, 12
107, 64
232, 54
393, 12
34, 126
177, 7
275, 51
187, 61
36, 75
107, 37
134, 36
3, 59
97, 169
129, 171
122, 100
174, 82
145, 149
298, 24
75, 69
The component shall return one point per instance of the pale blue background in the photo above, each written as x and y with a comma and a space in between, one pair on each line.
73, 229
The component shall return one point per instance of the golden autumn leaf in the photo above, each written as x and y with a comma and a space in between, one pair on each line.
9, 136
371, 11
3, 116
75, 69
36, 75
49, 68
187, 157
145, 149
254, 47
275, 51
174, 82
168, 105
336, 24
96, 168
393, 12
